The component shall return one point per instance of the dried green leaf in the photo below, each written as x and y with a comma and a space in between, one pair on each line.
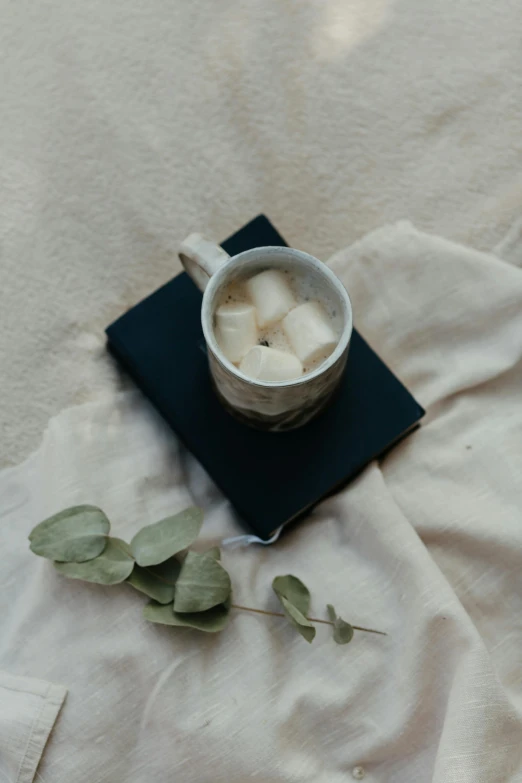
211, 621
332, 614
298, 620
291, 588
156, 543
295, 600
342, 631
158, 582
202, 584
74, 535
110, 568
214, 552
123, 545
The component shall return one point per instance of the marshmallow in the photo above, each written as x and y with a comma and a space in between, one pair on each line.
236, 329
271, 295
309, 332
269, 364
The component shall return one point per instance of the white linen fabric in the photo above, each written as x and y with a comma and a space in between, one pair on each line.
28, 710
425, 545
126, 125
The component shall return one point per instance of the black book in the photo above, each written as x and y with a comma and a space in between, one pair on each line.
270, 478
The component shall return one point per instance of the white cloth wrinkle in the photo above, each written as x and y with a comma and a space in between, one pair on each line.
28, 710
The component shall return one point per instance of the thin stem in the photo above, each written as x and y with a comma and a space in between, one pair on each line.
312, 619
368, 630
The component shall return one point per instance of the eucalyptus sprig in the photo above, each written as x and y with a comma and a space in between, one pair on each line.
186, 588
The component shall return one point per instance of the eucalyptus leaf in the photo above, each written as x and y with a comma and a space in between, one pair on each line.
211, 621
156, 543
342, 631
202, 584
214, 552
291, 588
74, 535
295, 600
298, 620
158, 581
110, 568
126, 547
332, 614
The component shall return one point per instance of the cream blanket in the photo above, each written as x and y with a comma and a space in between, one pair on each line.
426, 545
125, 125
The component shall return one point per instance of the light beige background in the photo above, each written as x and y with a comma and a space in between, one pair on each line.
125, 125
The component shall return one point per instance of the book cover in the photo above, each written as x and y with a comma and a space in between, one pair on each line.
270, 478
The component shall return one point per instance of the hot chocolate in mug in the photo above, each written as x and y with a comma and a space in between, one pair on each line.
268, 405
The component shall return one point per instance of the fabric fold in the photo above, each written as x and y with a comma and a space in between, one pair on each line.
28, 711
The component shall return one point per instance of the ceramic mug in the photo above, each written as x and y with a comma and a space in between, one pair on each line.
273, 406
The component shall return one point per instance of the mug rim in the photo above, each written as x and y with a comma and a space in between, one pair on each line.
255, 253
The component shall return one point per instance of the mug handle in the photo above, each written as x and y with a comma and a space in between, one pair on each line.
201, 258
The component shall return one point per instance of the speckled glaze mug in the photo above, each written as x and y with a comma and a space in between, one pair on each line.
273, 406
